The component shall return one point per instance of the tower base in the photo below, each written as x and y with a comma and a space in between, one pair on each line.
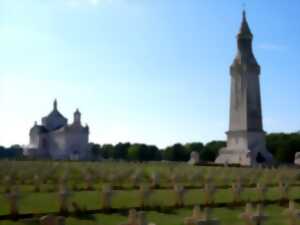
245, 148
243, 157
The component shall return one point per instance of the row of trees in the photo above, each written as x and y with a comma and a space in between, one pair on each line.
143, 152
283, 147
13, 152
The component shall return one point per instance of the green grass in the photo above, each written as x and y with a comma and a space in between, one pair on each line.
227, 216
47, 202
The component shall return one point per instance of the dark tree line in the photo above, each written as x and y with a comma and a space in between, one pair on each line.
13, 152
143, 152
283, 146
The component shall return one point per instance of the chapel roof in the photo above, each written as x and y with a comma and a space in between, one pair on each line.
54, 120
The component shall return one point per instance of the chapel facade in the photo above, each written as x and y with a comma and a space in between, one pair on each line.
55, 139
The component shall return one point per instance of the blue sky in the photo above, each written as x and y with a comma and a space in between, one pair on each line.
153, 71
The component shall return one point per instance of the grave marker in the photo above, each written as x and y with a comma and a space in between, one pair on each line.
209, 192
13, 199
207, 218
261, 191
179, 195
52, 220
292, 213
196, 216
145, 193
64, 195
107, 194
155, 180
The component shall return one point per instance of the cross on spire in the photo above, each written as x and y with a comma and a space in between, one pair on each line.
55, 104
245, 32
244, 6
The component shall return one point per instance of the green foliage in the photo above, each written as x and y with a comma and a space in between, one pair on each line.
13, 152
283, 146
95, 150
211, 150
194, 147
176, 152
107, 151
142, 152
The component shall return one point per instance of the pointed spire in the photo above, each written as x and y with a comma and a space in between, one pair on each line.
245, 31
77, 111
55, 105
244, 43
77, 116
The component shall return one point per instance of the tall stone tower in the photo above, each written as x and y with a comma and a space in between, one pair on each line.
246, 144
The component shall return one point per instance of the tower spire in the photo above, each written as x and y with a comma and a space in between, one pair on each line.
245, 32
55, 104
244, 43
77, 117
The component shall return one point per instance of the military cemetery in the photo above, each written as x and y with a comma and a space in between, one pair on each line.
63, 179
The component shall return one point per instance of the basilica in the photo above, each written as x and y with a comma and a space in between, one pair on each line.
58, 140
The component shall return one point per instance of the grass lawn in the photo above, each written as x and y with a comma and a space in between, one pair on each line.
48, 202
227, 216
119, 174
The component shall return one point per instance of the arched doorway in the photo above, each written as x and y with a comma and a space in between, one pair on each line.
260, 158
74, 155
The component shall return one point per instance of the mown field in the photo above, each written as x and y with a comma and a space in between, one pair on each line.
85, 181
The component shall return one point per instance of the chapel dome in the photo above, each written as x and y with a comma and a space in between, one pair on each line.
55, 119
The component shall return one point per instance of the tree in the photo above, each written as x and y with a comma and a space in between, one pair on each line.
211, 150
120, 150
13, 152
176, 152
142, 152
194, 147
283, 146
107, 151
96, 151
134, 152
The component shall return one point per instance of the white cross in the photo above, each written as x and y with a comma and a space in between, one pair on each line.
284, 190
135, 178
88, 181
196, 216
132, 218
209, 191
247, 215
37, 183
259, 217
13, 197
179, 192
155, 180
7, 183
261, 191
292, 213
107, 194
207, 218
145, 193
237, 191
64, 195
